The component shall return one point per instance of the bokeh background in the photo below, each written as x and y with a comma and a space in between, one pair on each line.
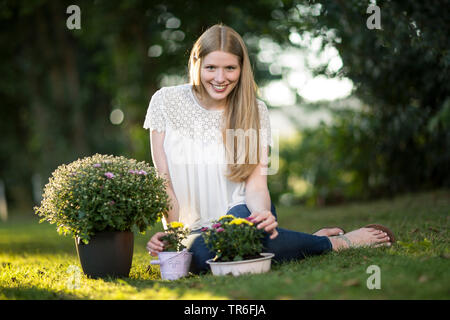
360, 113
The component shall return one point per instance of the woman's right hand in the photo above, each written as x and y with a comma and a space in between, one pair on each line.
155, 244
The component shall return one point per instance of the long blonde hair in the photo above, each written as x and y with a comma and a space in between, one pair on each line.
242, 107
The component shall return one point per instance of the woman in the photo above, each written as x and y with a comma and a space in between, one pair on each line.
196, 133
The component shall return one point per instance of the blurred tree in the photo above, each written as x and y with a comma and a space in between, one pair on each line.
402, 73
59, 86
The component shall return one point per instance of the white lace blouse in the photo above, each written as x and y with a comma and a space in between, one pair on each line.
196, 155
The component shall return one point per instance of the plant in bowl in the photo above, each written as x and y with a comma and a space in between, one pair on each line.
238, 246
101, 200
175, 260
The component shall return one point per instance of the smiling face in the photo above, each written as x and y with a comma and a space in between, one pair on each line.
219, 75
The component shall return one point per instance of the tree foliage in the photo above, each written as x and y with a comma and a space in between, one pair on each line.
59, 86
401, 141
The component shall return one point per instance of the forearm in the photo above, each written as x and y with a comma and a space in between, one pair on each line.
258, 200
174, 213
160, 162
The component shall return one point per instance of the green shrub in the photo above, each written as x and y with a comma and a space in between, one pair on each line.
363, 155
103, 193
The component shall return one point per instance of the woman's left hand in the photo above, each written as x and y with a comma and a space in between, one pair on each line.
266, 220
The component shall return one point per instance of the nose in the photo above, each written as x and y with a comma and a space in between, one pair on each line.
220, 75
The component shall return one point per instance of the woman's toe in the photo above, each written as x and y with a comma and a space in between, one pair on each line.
384, 244
382, 235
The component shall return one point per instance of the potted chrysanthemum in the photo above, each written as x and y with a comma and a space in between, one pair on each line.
175, 260
238, 247
101, 201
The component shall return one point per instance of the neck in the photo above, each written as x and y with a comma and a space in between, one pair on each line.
210, 104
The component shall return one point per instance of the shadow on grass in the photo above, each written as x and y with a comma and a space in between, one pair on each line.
33, 293
24, 247
25, 235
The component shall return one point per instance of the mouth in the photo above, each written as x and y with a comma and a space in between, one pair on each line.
218, 88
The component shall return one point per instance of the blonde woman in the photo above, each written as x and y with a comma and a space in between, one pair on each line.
196, 135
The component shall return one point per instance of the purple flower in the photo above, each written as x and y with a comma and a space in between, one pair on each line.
109, 175
141, 172
216, 225
220, 230
112, 202
203, 229
97, 165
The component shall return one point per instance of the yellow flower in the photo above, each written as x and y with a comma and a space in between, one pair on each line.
176, 224
226, 216
239, 221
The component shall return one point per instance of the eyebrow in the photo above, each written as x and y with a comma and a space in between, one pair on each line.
213, 65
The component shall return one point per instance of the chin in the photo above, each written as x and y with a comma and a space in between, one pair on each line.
218, 95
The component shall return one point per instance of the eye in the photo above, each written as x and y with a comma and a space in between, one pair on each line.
209, 67
231, 68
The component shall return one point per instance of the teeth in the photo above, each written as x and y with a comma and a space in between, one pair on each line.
219, 87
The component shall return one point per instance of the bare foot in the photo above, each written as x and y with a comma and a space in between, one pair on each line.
362, 237
329, 232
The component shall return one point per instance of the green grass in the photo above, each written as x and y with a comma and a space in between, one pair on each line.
34, 260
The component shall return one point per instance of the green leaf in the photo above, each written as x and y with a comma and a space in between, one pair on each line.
135, 229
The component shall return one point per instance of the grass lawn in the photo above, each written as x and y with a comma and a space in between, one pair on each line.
35, 262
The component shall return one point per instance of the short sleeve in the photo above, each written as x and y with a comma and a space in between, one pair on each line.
265, 131
155, 119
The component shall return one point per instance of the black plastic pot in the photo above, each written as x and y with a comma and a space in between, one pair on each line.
107, 254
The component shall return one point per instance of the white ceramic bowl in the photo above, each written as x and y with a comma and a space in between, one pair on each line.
236, 268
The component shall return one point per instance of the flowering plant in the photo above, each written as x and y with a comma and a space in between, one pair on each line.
175, 234
103, 193
234, 239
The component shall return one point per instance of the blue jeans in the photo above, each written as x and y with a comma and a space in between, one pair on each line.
287, 246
